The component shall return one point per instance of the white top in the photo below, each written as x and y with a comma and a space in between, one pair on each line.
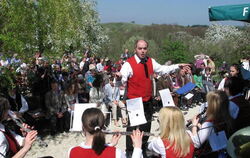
81, 65
127, 71
99, 67
137, 153
25, 106
203, 134
245, 65
156, 145
4, 145
96, 96
221, 85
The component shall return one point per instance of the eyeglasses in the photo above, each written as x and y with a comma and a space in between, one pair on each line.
144, 48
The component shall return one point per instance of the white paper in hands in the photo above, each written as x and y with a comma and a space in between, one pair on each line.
166, 98
136, 111
77, 115
189, 96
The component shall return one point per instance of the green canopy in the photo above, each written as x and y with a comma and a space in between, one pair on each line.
239, 12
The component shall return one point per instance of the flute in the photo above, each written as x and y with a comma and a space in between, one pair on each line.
127, 133
19, 123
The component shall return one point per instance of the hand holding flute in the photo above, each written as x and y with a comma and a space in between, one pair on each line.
29, 139
27, 130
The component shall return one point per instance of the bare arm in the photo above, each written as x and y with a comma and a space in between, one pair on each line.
29, 139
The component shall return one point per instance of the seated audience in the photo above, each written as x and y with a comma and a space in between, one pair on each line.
57, 112
71, 96
113, 100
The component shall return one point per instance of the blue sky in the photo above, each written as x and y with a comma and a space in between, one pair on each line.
181, 12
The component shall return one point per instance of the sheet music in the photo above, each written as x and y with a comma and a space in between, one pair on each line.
166, 97
189, 96
77, 115
136, 111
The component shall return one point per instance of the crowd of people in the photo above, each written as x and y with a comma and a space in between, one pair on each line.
48, 89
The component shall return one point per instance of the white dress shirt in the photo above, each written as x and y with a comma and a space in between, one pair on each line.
127, 71
25, 106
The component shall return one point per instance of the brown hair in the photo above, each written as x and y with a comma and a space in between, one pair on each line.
4, 106
218, 110
93, 122
70, 87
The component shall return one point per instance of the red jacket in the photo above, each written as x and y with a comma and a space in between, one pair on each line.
139, 85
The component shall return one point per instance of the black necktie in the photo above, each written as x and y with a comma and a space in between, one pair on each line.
144, 61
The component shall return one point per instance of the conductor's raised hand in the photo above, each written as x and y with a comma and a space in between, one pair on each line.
186, 67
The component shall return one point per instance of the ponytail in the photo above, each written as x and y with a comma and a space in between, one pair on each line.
93, 123
98, 144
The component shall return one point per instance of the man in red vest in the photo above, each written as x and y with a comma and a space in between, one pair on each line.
137, 72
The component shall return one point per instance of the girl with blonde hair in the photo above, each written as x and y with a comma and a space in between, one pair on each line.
174, 140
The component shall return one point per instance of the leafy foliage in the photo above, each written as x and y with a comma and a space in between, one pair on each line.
176, 51
50, 26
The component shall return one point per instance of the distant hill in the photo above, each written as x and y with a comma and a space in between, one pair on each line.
119, 33
130, 27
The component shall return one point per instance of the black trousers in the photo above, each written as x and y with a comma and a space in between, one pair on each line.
148, 111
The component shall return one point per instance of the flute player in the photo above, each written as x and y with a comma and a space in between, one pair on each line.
11, 144
95, 146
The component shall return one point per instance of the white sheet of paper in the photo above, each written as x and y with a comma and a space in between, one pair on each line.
166, 98
218, 140
189, 96
136, 111
77, 115
122, 91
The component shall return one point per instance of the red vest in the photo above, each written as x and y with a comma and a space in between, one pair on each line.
13, 145
243, 117
139, 85
170, 151
79, 152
